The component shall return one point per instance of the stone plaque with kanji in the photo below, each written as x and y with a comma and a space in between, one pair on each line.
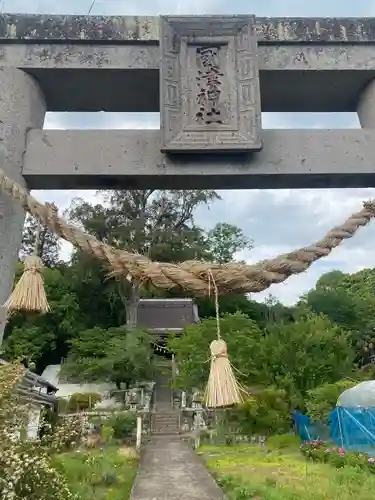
209, 84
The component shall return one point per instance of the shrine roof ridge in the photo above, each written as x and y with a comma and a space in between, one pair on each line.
31, 28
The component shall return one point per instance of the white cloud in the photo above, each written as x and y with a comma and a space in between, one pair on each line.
278, 221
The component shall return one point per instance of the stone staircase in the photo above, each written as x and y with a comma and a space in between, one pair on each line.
164, 419
165, 423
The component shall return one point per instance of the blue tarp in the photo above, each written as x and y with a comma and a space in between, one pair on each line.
353, 428
350, 428
304, 427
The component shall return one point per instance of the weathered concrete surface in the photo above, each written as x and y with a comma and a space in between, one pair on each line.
366, 106
170, 470
79, 28
327, 62
132, 159
78, 56
292, 57
324, 77
21, 107
145, 28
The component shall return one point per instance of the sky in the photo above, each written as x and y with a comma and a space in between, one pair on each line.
277, 220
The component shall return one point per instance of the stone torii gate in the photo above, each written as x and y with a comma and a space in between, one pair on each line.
210, 77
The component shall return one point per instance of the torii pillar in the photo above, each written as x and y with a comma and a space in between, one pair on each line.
22, 108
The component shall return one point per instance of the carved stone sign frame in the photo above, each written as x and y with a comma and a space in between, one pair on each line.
209, 84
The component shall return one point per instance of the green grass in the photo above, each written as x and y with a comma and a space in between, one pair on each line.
267, 473
100, 476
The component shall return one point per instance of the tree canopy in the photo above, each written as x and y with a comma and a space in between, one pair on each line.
225, 240
117, 355
296, 357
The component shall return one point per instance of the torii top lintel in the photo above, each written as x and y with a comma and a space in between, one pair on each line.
132, 64
119, 29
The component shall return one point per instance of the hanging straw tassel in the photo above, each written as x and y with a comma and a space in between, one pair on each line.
29, 294
222, 388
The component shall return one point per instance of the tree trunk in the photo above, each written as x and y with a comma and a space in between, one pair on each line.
132, 305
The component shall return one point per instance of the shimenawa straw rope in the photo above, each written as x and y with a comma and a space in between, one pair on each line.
191, 275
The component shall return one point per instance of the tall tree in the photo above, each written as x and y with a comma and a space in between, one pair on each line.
348, 300
158, 224
276, 311
230, 304
110, 355
225, 240
40, 238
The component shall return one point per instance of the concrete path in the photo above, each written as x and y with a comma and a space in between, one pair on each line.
170, 470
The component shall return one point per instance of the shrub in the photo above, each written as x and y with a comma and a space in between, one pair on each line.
107, 432
25, 467
317, 451
109, 478
48, 422
266, 413
123, 425
69, 433
26, 472
83, 401
337, 457
322, 400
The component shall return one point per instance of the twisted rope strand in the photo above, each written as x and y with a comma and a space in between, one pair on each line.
191, 275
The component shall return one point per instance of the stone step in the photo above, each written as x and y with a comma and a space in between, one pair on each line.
165, 428
169, 422
165, 424
164, 413
164, 433
166, 417
158, 425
